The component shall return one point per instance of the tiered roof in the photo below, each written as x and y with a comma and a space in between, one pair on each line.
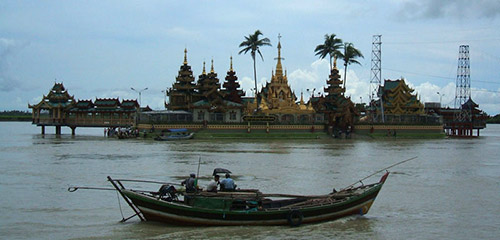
105, 105
398, 98
58, 97
334, 88
184, 87
208, 84
231, 86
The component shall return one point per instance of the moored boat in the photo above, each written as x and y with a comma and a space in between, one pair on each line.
175, 134
248, 206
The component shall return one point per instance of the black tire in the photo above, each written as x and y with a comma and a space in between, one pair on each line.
294, 218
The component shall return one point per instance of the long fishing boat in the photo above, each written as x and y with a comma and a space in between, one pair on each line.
247, 206
175, 134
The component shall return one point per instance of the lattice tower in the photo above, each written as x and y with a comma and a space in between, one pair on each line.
462, 91
376, 73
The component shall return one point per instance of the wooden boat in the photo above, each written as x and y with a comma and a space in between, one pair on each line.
247, 207
175, 134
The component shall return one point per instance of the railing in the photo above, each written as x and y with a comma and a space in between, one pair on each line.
82, 122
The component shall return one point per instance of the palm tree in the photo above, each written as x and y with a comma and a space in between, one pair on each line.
349, 56
331, 47
252, 44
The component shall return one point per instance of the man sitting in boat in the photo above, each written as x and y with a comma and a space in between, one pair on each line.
227, 184
212, 186
190, 183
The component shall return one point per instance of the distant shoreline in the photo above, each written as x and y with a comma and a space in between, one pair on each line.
15, 119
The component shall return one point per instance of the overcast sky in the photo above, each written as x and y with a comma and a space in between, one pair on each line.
103, 48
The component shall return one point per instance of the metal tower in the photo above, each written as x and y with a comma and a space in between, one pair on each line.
462, 92
376, 73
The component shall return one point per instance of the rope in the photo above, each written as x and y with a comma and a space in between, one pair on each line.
145, 181
120, 206
381, 170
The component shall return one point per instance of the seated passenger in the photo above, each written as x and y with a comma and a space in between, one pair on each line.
227, 184
190, 183
212, 186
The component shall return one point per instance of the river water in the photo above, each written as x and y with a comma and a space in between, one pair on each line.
451, 191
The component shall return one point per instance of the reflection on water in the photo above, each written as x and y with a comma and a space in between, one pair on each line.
449, 191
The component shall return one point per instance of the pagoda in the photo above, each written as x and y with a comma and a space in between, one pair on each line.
210, 104
398, 99
231, 91
339, 111
183, 90
208, 86
278, 99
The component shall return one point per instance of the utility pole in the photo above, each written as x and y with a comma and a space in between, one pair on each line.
139, 91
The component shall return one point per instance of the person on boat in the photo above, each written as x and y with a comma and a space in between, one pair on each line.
190, 183
212, 186
227, 184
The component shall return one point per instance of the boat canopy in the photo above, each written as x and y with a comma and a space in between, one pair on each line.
220, 170
177, 129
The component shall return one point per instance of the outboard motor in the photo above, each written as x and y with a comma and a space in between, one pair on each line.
167, 192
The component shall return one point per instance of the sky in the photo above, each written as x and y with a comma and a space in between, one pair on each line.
102, 49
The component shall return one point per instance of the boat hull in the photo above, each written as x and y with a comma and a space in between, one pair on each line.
180, 214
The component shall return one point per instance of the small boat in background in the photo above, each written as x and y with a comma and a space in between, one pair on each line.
175, 134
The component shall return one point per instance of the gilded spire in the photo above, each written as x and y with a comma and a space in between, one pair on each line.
335, 62
231, 64
212, 68
204, 69
279, 68
185, 56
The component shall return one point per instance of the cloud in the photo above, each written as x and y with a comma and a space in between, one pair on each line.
489, 100
8, 48
247, 84
183, 33
309, 78
460, 9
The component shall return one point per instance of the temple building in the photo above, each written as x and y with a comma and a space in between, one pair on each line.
183, 90
339, 111
277, 98
398, 99
204, 98
59, 109
52, 110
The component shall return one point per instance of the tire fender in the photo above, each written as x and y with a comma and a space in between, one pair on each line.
294, 218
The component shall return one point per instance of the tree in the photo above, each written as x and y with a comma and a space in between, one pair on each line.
252, 43
331, 47
349, 56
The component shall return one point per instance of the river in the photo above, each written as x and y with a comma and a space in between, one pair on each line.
451, 191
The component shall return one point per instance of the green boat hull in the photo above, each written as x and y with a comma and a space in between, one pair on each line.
219, 213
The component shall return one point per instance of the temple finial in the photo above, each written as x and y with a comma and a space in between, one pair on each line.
212, 68
204, 69
185, 56
335, 62
231, 64
279, 68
